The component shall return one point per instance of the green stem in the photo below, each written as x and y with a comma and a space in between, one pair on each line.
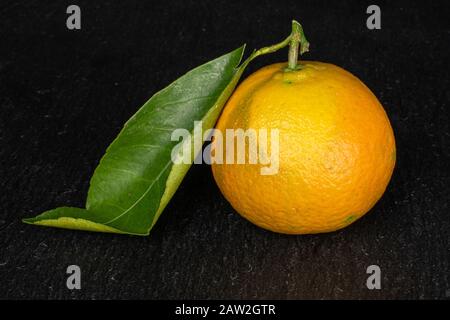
264, 51
272, 48
293, 46
295, 40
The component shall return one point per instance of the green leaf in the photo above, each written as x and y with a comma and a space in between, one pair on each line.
136, 177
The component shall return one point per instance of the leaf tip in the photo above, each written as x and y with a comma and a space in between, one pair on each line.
28, 220
243, 47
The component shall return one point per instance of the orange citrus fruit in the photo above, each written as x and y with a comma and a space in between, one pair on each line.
336, 149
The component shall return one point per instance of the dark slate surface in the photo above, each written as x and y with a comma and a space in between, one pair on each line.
64, 95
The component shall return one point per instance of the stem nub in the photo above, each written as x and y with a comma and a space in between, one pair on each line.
297, 40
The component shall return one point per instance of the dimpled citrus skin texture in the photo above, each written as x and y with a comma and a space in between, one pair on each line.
336, 149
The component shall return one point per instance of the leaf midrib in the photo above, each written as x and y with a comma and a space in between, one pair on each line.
141, 197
